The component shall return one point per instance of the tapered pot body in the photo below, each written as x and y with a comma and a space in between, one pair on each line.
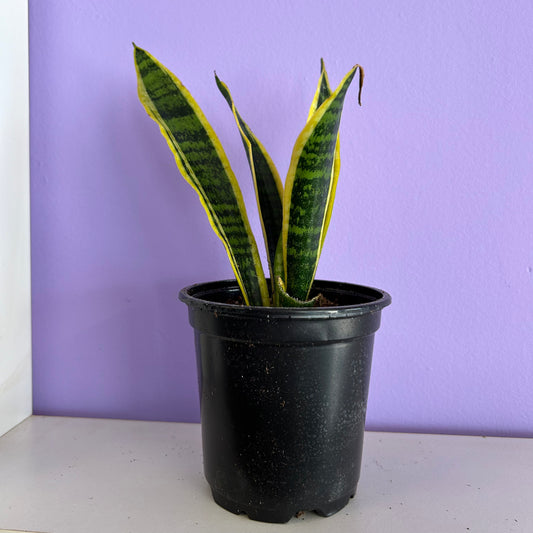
283, 394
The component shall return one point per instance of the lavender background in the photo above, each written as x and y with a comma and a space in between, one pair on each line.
434, 201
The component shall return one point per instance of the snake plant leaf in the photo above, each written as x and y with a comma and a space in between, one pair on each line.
307, 191
204, 165
267, 183
285, 300
278, 272
323, 92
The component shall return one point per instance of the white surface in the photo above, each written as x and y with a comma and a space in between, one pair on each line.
15, 294
68, 475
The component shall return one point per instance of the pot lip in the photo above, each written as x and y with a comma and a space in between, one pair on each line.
197, 296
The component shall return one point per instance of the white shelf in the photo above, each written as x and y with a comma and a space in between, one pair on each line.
72, 475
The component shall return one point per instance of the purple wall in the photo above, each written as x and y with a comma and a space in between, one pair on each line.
434, 200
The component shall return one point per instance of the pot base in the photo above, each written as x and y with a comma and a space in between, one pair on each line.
282, 513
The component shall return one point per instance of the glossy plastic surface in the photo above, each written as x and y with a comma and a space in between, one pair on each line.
283, 397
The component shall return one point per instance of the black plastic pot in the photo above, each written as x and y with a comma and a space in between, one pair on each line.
283, 395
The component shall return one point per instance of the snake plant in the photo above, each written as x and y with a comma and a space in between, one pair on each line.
294, 217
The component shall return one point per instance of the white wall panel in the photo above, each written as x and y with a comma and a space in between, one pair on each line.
15, 293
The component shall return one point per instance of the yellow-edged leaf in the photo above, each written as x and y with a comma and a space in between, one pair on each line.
205, 166
267, 183
308, 188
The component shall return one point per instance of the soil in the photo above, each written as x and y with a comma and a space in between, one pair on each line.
323, 301
235, 300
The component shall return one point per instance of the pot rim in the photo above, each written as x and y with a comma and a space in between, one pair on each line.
198, 296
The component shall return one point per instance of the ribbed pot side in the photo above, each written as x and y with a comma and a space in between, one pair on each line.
283, 395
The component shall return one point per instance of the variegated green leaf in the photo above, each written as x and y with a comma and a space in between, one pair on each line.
278, 272
203, 163
267, 183
323, 92
307, 189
